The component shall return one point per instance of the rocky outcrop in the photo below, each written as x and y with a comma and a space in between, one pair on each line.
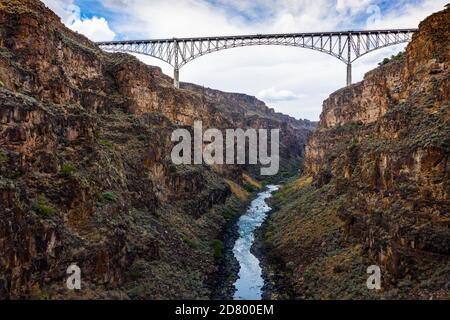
85, 170
380, 161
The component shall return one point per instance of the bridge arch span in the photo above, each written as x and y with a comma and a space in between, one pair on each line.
346, 46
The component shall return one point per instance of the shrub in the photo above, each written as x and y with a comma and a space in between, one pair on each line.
217, 246
249, 188
134, 275
384, 62
190, 242
228, 213
42, 207
15, 174
3, 157
172, 168
290, 265
323, 177
353, 144
396, 57
106, 143
67, 170
142, 137
109, 196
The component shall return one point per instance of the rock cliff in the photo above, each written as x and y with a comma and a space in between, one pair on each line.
375, 190
85, 170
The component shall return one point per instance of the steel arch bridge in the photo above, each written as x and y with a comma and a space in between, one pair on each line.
346, 46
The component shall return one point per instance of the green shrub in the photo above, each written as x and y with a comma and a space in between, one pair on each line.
142, 137
190, 242
384, 62
218, 247
290, 265
107, 196
42, 207
249, 188
106, 143
3, 157
134, 275
172, 168
15, 174
67, 170
353, 144
138, 292
396, 57
228, 213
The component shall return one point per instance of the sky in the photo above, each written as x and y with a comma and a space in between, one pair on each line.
291, 80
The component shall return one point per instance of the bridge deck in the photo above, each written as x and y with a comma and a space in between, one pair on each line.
264, 36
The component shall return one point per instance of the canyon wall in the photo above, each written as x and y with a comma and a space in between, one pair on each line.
375, 190
86, 175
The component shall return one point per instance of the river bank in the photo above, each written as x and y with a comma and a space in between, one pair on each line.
276, 286
223, 287
273, 284
223, 284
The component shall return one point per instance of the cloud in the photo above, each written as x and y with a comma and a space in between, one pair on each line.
408, 14
353, 6
173, 18
274, 95
95, 28
272, 72
65, 9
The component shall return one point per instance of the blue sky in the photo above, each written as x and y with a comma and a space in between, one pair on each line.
250, 13
292, 80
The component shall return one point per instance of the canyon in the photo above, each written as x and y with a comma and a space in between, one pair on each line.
375, 187
86, 177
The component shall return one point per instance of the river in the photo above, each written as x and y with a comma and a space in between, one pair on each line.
250, 283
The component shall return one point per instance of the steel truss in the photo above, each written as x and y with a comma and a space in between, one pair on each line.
346, 46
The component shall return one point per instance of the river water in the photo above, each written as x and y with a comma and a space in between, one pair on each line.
250, 282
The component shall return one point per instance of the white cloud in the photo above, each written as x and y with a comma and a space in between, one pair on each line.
274, 95
353, 6
65, 9
411, 14
252, 70
173, 18
95, 28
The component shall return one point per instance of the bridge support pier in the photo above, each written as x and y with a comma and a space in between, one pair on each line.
176, 65
349, 74
176, 78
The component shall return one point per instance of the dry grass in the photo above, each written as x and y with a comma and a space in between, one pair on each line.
302, 182
237, 190
247, 179
341, 259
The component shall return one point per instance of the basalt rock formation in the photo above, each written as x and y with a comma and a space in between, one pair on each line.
85, 170
375, 189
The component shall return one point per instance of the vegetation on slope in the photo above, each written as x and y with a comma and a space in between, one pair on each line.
376, 185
